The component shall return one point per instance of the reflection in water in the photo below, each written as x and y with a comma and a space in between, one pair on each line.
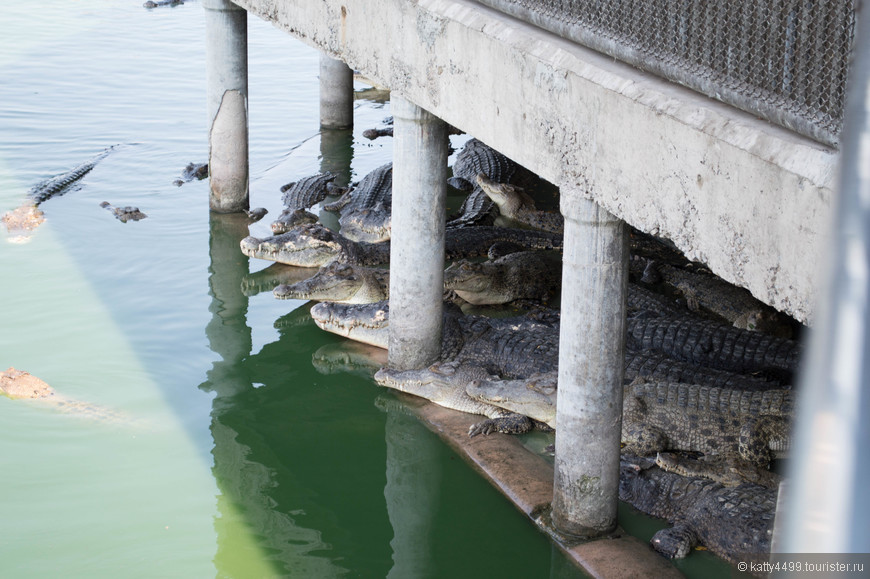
336, 154
245, 483
349, 357
412, 489
271, 277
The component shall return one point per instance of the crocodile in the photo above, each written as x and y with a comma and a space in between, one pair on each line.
124, 214
267, 279
376, 187
372, 134
517, 347
714, 344
314, 245
256, 213
340, 282
735, 523
712, 294
290, 218
728, 470
474, 159
368, 225
198, 171
444, 384
522, 275
23, 220
515, 204
156, 3
716, 421
307, 192
535, 396
509, 347
18, 384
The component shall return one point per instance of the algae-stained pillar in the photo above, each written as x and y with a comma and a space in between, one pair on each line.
417, 239
227, 81
336, 94
591, 350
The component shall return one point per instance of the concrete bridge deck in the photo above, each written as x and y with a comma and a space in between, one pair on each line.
749, 199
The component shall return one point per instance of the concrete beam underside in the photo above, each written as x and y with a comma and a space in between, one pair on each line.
750, 200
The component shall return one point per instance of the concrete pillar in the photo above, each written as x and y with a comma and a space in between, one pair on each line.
227, 81
591, 346
336, 94
417, 251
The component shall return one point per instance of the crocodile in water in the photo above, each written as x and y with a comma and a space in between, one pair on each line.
340, 282
314, 245
124, 214
21, 221
307, 192
17, 384
444, 384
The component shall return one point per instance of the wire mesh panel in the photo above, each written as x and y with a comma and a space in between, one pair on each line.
784, 60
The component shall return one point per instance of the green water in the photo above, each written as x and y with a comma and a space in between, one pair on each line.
221, 451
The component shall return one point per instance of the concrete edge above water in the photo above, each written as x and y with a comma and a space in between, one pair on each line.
527, 481
751, 200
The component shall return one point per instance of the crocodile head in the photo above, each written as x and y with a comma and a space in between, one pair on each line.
369, 225
21, 221
309, 245
435, 383
534, 397
19, 384
466, 275
366, 323
509, 198
335, 282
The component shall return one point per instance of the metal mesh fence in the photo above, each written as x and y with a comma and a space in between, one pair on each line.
784, 60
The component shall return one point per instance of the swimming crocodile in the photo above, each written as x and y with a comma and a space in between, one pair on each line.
522, 275
156, 3
314, 245
198, 171
735, 523
474, 159
712, 294
340, 282
714, 344
21, 221
444, 384
515, 204
307, 192
290, 218
124, 214
18, 384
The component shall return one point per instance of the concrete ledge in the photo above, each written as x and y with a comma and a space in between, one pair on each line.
749, 199
527, 481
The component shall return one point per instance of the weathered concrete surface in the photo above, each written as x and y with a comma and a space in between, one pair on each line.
527, 480
336, 94
417, 236
591, 367
228, 155
747, 198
